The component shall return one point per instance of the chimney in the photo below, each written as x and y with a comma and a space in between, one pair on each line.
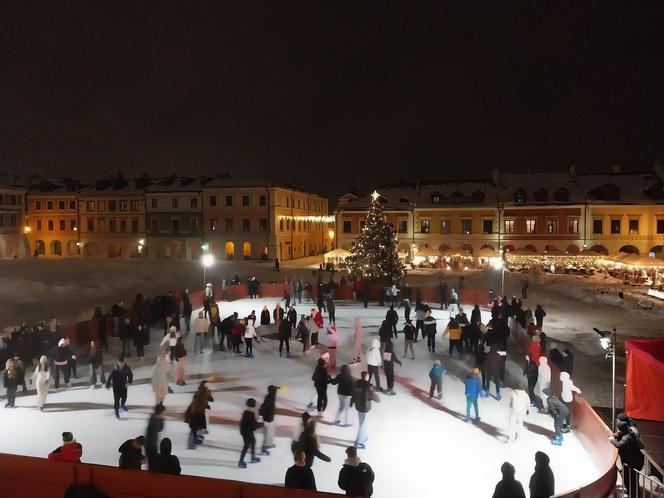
615, 169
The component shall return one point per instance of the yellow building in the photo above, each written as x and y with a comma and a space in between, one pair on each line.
13, 243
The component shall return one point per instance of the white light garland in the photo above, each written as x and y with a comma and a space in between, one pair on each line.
315, 219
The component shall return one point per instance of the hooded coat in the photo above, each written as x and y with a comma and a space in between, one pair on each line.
167, 463
159, 379
508, 487
356, 478
373, 354
344, 381
543, 377
567, 388
542, 482
42, 378
268, 407
130, 457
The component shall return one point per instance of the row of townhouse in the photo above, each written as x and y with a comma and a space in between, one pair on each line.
541, 212
173, 217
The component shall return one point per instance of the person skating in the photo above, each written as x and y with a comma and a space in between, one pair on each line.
120, 378
201, 327
357, 342
42, 376
566, 396
385, 335
519, 408
539, 316
332, 341
472, 391
558, 410
453, 303
436, 376
405, 304
530, 370
70, 451
542, 482
355, 477
454, 331
389, 358
237, 335
442, 293
362, 396
508, 487
226, 332
131, 454
316, 323
170, 340
167, 463
321, 380
20, 372
308, 442
493, 365
265, 316
374, 362
278, 314
127, 336
303, 333
409, 334
524, 288
249, 336
543, 382
159, 380
248, 425
10, 378
267, 411
180, 361
345, 382
194, 416
430, 331
291, 317
155, 426
285, 331
392, 319
420, 313
299, 476
331, 310
61, 356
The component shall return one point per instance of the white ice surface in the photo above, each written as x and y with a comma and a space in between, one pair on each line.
417, 448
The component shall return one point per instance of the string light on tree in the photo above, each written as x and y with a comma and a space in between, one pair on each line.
374, 255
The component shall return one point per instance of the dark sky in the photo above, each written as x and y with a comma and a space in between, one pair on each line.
330, 97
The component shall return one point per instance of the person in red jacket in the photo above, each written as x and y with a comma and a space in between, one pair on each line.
70, 451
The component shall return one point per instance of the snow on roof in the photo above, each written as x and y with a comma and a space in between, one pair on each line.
178, 184
544, 188
627, 188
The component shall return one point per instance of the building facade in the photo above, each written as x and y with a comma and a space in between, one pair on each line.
13, 243
540, 212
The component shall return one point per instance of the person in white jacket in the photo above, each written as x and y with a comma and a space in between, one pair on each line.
374, 361
519, 408
170, 340
566, 396
201, 326
249, 336
42, 377
159, 380
543, 382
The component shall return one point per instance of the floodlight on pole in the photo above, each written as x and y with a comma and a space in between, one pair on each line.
607, 339
499, 264
207, 260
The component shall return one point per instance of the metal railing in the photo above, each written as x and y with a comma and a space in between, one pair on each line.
637, 484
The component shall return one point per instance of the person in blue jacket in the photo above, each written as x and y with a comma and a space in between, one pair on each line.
436, 375
472, 392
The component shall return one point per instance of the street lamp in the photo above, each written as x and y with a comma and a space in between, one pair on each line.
499, 264
607, 339
330, 234
207, 260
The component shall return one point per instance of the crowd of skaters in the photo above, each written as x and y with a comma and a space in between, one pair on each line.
486, 343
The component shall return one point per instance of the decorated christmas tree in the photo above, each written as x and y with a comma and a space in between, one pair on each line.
374, 256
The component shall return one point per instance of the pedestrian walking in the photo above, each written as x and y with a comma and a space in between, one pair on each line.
374, 362
542, 482
363, 395
159, 380
248, 425
42, 376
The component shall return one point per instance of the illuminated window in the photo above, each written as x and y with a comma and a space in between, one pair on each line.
445, 226
154, 203
660, 226
402, 225
425, 225
551, 226
229, 200
615, 226
509, 227
531, 226
262, 225
213, 224
467, 226
90, 205
124, 206
195, 226
573, 225
633, 227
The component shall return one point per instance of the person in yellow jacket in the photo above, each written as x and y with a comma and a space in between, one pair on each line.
454, 331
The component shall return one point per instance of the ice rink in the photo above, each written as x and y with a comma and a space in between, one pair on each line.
417, 447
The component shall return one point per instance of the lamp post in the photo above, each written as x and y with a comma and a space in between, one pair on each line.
499, 264
608, 342
207, 260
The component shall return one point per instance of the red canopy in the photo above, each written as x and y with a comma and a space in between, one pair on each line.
644, 394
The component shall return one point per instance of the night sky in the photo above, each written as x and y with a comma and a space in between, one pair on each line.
326, 98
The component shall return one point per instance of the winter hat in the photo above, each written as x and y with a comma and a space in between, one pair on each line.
622, 417
272, 389
476, 371
507, 469
541, 458
547, 391
251, 403
67, 437
623, 427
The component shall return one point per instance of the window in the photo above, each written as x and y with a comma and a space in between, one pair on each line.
90, 224
50, 225
134, 225
598, 226
425, 225
445, 226
193, 203
288, 224
174, 203
72, 225
14, 201
101, 224
551, 225
487, 226
573, 225
531, 226
660, 226
124, 206
13, 219
615, 226
154, 224
112, 225
262, 225
213, 224
61, 204
509, 227
90, 206
112, 206
467, 226
245, 200
229, 201
347, 226
402, 225
101, 206
262, 200
175, 225
281, 225
634, 227
49, 204
63, 225
245, 224
287, 202
154, 203
213, 201
403, 200
228, 224
541, 195
123, 225
39, 225
195, 225
37, 205
362, 224
520, 196
72, 204
435, 198
133, 206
